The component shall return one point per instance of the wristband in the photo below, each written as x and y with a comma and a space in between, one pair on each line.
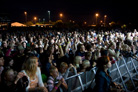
56, 87
60, 46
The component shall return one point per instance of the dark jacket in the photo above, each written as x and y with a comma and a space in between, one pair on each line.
103, 81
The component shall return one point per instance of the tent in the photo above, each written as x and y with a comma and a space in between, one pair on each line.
17, 24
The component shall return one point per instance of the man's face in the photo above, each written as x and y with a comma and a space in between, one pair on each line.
63, 69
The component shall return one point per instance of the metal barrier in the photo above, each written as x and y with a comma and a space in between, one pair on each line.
80, 82
121, 72
125, 71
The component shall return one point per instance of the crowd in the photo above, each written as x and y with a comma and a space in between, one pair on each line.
40, 61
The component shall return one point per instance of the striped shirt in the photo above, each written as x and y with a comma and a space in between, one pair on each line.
51, 82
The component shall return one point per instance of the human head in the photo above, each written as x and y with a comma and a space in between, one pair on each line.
9, 62
88, 55
50, 49
63, 67
30, 66
86, 63
104, 52
103, 62
81, 47
9, 75
21, 49
112, 45
89, 47
24, 44
54, 72
77, 61
5, 44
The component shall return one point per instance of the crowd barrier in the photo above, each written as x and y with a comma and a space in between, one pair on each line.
123, 72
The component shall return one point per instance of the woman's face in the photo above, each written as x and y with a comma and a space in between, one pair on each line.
37, 63
24, 45
109, 64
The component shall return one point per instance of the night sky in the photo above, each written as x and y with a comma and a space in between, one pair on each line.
78, 10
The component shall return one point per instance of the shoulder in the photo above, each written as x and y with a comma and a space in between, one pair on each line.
38, 68
100, 73
109, 50
50, 80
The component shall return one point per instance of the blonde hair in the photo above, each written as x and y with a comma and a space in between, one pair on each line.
30, 66
86, 63
77, 60
125, 47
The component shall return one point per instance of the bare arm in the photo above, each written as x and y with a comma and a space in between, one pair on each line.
60, 50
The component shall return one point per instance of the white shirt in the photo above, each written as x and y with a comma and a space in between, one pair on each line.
38, 73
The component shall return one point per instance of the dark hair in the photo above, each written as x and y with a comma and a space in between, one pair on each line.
88, 47
87, 54
7, 59
102, 61
104, 52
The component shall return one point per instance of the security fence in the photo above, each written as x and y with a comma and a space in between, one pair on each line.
123, 72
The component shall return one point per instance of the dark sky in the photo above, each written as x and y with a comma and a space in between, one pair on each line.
79, 10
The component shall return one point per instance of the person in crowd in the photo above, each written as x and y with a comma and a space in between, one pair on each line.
96, 55
4, 46
68, 56
1, 65
77, 62
13, 82
103, 79
10, 51
55, 47
55, 81
131, 45
50, 62
85, 65
112, 53
80, 51
19, 58
89, 47
59, 53
65, 70
32, 71
8, 63
99, 41
88, 56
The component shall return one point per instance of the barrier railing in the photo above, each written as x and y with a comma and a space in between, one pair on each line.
126, 70
121, 72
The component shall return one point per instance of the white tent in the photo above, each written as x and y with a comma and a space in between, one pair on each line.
17, 24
